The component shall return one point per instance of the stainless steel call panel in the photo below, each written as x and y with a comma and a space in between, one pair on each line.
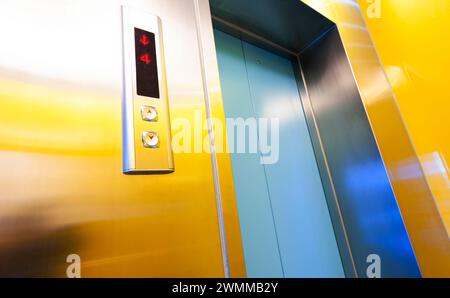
146, 122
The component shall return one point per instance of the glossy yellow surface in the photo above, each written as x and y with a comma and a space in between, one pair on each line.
61, 181
414, 48
232, 228
420, 213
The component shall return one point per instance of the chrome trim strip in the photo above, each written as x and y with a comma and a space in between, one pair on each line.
223, 240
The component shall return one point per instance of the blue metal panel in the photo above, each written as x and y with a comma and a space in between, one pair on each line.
369, 208
285, 222
307, 244
258, 231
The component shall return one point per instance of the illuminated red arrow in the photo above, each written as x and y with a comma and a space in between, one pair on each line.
145, 58
144, 40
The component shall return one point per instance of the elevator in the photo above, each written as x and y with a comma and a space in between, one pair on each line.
88, 168
332, 205
286, 227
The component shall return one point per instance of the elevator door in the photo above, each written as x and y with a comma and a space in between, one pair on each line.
285, 223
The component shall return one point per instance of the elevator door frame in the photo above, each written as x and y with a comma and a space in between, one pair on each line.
364, 210
310, 202
327, 183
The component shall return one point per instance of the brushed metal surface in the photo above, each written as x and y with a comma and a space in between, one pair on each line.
225, 192
369, 209
285, 223
138, 157
264, 35
61, 181
326, 176
283, 23
382, 90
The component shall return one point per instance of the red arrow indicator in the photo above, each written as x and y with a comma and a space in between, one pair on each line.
144, 40
145, 58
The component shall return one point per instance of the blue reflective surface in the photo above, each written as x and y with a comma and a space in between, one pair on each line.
285, 223
369, 208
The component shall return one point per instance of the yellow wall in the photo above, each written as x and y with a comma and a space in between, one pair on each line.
406, 37
413, 43
62, 190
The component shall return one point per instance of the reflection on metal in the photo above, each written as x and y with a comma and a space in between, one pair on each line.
225, 192
286, 227
217, 187
61, 181
327, 178
137, 109
62, 189
282, 23
370, 213
436, 169
387, 112
290, 48
362, 220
